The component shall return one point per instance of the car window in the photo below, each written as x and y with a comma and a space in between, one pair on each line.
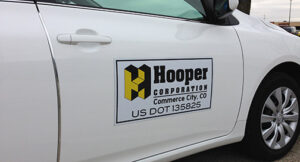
173, 8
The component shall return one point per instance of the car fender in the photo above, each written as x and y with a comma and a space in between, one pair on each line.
264, 48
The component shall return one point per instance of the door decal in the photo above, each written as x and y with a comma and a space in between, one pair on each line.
154, 88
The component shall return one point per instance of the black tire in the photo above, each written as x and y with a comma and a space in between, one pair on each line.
253, 143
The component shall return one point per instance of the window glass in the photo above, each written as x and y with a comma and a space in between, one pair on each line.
172, 8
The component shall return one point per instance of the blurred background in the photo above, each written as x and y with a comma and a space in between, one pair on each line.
285, 13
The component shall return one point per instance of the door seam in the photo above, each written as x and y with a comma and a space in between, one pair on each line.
56, 82
243, 83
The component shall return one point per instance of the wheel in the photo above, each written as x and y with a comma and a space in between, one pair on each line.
273, 121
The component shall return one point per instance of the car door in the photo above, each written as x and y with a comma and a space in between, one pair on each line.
140, 77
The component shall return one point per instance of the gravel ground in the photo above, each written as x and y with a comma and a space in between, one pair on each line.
229, 154
293, 155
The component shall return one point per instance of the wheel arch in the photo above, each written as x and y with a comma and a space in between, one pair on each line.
289, 67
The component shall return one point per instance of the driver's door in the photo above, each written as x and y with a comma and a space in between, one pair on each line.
140, 77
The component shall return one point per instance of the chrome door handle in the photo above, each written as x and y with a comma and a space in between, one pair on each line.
76, 38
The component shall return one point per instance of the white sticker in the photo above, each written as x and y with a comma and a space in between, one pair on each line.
154, 88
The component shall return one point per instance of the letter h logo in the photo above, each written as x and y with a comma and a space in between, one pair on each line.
137, 82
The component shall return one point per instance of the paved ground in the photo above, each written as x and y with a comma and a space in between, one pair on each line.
229, 154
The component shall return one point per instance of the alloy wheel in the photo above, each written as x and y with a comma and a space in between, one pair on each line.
279, 118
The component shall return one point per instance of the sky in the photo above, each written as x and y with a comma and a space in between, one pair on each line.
276, 10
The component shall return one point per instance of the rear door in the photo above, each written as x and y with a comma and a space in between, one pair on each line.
141, 77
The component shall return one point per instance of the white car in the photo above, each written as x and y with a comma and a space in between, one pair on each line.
143, 80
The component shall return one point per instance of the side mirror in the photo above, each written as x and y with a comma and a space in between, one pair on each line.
218, 10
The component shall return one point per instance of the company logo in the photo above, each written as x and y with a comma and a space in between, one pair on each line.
137, 82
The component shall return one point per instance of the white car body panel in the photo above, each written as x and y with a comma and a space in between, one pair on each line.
28, 105
264, 48
235, 136
86, 76
29, 118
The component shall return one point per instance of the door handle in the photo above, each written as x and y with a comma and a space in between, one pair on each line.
77, 38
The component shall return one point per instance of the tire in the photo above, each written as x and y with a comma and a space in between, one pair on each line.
254, 143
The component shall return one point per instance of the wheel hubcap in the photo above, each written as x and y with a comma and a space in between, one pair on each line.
279, 118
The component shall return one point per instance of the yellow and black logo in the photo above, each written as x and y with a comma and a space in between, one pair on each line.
137, 82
